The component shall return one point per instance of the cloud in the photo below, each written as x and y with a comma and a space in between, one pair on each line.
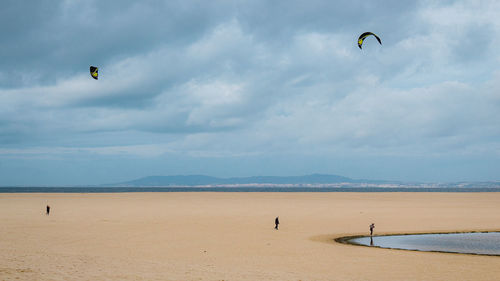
223, 79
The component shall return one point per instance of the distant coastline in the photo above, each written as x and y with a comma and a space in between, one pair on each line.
305, 181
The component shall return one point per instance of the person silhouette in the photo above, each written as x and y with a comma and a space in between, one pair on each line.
372, 226
48, 210
276, 222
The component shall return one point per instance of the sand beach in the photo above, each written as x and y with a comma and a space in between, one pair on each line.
231, 236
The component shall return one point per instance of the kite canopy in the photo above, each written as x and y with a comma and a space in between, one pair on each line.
364, 35
94, 72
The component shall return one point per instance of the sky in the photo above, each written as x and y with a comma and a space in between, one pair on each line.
245, 88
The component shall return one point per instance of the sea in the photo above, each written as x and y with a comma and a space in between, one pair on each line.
94, 189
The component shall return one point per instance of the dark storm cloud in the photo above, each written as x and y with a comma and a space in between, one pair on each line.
60, 38
52, 39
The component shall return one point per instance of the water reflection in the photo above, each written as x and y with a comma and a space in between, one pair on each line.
472, 243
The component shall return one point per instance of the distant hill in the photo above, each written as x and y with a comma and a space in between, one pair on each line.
314, 180
198, 180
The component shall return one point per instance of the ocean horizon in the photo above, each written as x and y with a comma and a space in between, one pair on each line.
97, 189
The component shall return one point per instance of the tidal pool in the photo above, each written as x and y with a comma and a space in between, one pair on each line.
483, 243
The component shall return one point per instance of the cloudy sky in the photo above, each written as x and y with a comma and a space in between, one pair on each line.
242, 88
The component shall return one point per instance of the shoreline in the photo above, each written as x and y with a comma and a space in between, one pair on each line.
347, 241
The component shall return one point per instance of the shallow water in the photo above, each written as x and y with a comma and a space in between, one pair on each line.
470, 243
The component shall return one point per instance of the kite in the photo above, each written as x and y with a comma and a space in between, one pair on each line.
94, 72
364, 35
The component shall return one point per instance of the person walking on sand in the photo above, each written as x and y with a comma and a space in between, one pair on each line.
372, 226
276, 222
48, 210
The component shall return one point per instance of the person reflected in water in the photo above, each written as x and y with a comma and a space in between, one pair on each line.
371, 241
276, 222
372, 226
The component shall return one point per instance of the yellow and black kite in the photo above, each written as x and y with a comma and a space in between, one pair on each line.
364, 35
94, 72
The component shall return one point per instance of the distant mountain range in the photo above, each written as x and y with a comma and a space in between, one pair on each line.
314, 180
202, 180
195, 180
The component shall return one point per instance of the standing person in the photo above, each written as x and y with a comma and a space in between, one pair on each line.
372, 226
276, 222
48, 210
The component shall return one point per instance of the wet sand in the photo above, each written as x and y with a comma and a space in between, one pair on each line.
231, 236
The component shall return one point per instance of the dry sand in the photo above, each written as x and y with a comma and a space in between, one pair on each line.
230, 236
